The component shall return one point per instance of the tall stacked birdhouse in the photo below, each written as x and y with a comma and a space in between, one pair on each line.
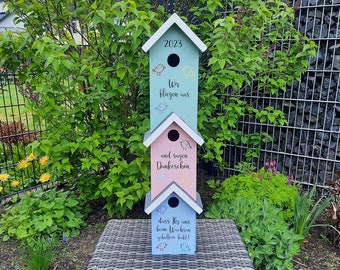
173, 137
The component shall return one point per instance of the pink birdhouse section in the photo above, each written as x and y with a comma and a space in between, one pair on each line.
173, 156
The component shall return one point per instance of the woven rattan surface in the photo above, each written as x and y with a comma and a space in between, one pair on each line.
126, 244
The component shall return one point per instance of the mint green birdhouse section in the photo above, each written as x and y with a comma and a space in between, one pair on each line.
173, 78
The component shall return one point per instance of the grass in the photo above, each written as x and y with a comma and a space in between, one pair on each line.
12, 105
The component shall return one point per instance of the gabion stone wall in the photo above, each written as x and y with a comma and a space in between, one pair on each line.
309, 146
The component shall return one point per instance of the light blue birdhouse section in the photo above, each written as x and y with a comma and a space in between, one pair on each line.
173, 220
174, 53
173, 227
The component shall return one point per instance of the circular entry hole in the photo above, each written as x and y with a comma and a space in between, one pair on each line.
173, 135
173, 60
173, 202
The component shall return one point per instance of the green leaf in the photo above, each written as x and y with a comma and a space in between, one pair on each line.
121, 73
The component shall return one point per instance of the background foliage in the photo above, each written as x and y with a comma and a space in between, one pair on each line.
94, 93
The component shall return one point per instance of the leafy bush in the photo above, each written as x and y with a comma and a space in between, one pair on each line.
273, 187
269, 241
44, 213
91, 77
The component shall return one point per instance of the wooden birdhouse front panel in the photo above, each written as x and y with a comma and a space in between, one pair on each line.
173, 226
173, 159
173, 78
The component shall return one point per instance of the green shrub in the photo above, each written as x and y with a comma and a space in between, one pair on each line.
269, 241
273, 187
44, 213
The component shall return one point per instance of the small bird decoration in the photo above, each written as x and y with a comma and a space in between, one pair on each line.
185, 144
161, 107
159, 69
162, 246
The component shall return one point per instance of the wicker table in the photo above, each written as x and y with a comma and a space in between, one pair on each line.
126, 244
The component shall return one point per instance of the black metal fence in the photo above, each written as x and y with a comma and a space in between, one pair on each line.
18, 128
308, 147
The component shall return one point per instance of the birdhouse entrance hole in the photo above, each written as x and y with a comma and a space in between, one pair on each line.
173, 135
173, 60
173, 202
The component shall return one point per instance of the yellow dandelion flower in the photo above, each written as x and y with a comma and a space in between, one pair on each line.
4, 176
30, 157
43, 160
23, 164
45, 177
1, 189
15, 183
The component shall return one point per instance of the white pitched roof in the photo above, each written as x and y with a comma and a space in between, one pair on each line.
151, 136
174, 19
172, 188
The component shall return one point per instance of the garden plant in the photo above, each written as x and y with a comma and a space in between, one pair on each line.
267, 183
271, 211
270, 242
40, 253
306, 211
44, 215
